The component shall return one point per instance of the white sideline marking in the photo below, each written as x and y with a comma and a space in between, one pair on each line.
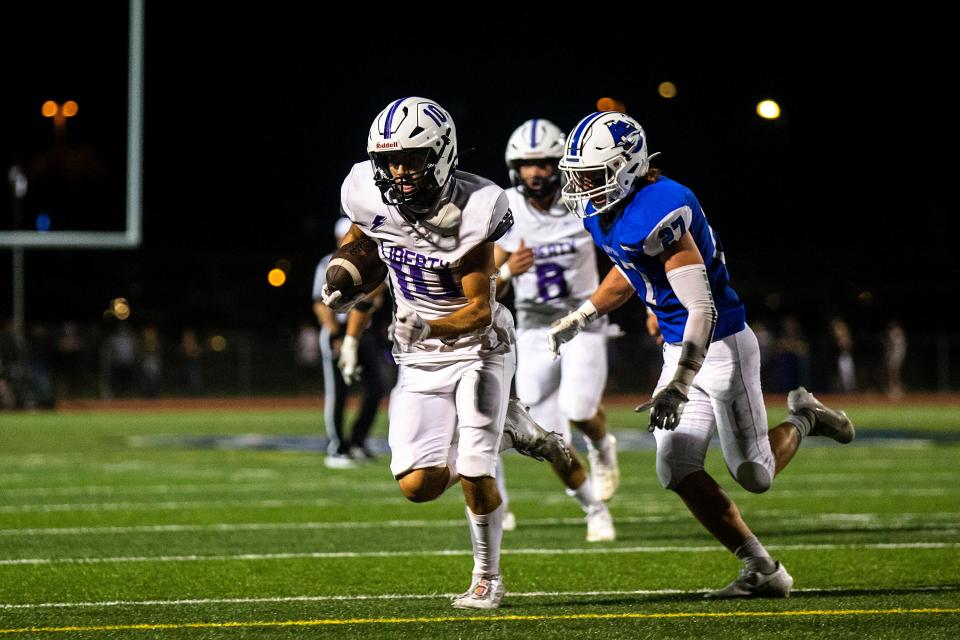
324, 555
402, 596
543, 498
268, 481
174, 489
857, 522
168, 505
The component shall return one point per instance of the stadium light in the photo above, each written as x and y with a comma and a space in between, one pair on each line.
120, 308
611, 104
59, 113
768, 109
276, 277
667, 90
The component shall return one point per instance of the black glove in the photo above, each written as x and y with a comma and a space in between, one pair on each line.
665, 407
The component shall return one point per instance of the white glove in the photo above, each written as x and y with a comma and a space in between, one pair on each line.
336, 300
409, 329
566, 328
350, 369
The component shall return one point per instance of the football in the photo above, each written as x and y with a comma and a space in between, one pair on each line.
356, 267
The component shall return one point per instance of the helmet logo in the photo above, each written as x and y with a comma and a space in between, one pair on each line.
622, 133
435, 113
387, 145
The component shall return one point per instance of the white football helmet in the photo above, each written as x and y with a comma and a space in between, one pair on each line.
536, 139
421, 134
605, 155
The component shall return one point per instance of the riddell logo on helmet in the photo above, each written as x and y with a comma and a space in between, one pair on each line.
388, 145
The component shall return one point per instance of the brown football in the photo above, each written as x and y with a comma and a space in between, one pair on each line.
356, 267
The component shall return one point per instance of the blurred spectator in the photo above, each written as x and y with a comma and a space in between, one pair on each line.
67, 359
9, 358
765, 340
118, 359
793, 359
308, 346
151, 361
894, 353
191, 352
38, 388
844, 378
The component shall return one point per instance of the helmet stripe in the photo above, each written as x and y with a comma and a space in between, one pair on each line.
575, 138
389, 123
533, 134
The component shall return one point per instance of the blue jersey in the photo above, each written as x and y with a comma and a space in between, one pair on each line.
655, 217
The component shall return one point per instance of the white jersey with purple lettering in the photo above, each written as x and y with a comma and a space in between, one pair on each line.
564, 272
425, 266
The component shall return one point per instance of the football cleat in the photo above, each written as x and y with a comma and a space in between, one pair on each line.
485, 592
827, 422
756, 584
530, 439
604, 468
600, 525
509, 521
339, 461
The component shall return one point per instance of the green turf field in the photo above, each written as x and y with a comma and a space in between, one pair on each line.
109, 530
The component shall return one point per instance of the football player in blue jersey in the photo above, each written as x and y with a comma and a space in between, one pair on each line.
666, 253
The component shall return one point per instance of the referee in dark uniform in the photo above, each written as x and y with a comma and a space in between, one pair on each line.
344, 451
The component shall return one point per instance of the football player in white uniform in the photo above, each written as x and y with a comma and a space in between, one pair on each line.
550, 259
435, 228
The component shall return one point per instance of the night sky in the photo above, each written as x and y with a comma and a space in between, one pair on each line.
253, 117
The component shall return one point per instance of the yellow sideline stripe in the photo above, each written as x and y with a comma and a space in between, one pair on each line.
573, 616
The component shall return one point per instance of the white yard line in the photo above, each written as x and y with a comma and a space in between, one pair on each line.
541, 497
247, 483
857, 521
404, 596
245, 557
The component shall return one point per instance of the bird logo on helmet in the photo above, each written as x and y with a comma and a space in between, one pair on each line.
605, 155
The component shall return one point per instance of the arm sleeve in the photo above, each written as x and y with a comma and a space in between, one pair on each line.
692, 287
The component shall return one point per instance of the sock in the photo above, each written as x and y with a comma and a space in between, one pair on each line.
502, 485
486, 532
803, 420
755, 556
585, 495
599, 444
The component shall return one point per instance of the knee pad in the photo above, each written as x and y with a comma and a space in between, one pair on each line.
754, 477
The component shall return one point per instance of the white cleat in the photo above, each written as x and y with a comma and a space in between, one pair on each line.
485, 593
509, 521
604, 468
340, 461
827, 422
530, 439
755, 584
600, 525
